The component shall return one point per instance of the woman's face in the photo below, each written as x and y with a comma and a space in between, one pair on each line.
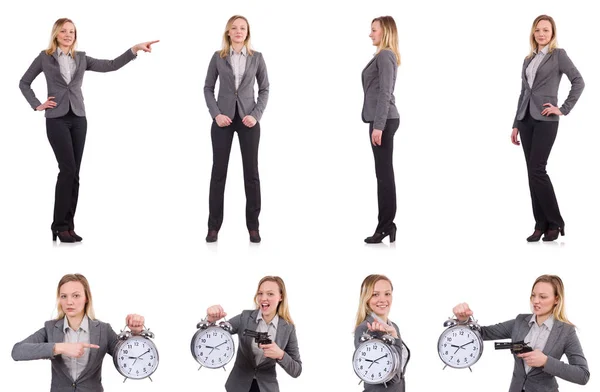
543, 33
66, 35
381, 300
268, 298
543, 299
238, 31
72, 299
376, 33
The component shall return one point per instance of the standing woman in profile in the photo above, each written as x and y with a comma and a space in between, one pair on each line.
254, 368
537, 120
75, 342
237, 67
379, 110
548, 332
66, 124
376, 298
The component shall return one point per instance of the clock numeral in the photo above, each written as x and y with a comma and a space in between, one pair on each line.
129, 346
125, 352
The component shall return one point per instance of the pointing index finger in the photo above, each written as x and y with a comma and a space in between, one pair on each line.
88, 345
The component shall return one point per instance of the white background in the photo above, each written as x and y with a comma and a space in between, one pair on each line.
463, 199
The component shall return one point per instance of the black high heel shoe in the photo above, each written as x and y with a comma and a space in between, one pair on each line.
379, 236
63, 236
212, 236
74, 235
552, 234
254, 236
535, 237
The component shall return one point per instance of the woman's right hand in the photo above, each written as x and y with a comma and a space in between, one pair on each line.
222, 120
49, 104
215, 313
514, 137
73, 350
462, 311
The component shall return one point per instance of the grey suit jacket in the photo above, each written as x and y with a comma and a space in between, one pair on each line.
40, 345
245, 368
62, 92
243, 97
378, 80
545, 87
396, 384
562, 340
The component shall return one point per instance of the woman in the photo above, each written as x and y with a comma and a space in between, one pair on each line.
254, 368
376, 298
66, 124
537, 120
379, 110
548, 332
237, 67
75, 342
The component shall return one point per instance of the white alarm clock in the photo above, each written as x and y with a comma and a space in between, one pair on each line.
460, 345
136, 356
376, 361
212, 345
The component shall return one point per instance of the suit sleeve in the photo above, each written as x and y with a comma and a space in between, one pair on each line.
358, 332
291, 362
567, 67
109, 65
576, 370
111, 338
520, 101
35, 346
498, 331
263, 89
209, 87
386, 66
25, 83
235, 323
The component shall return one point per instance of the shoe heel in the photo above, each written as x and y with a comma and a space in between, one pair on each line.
393, 234
562, 231
54, 236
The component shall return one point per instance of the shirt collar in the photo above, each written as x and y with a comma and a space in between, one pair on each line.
273, 322
544, 50
548, 323
61, 53
243, 51
85, 324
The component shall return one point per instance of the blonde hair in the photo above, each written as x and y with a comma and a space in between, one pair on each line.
89, 307
553, 42
389, 38
227, 40
54, 42
366, 292
558, 311
283, 309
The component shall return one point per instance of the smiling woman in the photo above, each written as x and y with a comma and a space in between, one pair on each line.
254, 368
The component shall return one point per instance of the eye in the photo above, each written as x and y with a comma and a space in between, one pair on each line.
62, 296
76, 295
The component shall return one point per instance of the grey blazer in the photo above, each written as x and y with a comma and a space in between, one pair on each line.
243, 97
378, 80
245, 368
545, 87
62, 92
40, 345
396, 384
562, 340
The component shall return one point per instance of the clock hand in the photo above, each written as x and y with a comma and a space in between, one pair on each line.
210, 347
144, 353
471, 342
218, 345
132, 357
375, 361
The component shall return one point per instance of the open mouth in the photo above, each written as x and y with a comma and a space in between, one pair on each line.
264, 306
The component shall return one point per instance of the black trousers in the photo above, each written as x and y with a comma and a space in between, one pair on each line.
384, 170
254, 386
222, 139
67, 138
537, 138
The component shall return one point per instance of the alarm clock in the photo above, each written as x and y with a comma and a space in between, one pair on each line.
460, 345
212, 345
136, 356
376, 360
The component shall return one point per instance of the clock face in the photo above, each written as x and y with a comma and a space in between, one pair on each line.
460, 346
213, 347
375, 362
136, 357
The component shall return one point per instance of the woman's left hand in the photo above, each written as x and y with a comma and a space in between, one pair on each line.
534, 358
379, 327
145, 46
376, 137
550, 110
249, 121
272, 351
135, 322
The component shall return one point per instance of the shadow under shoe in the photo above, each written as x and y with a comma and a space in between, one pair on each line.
379, 236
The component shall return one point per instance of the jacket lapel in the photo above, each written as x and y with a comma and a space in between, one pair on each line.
553, 337
522, 331
59, 337
249, 59
94, 326
544, 61
283, 330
